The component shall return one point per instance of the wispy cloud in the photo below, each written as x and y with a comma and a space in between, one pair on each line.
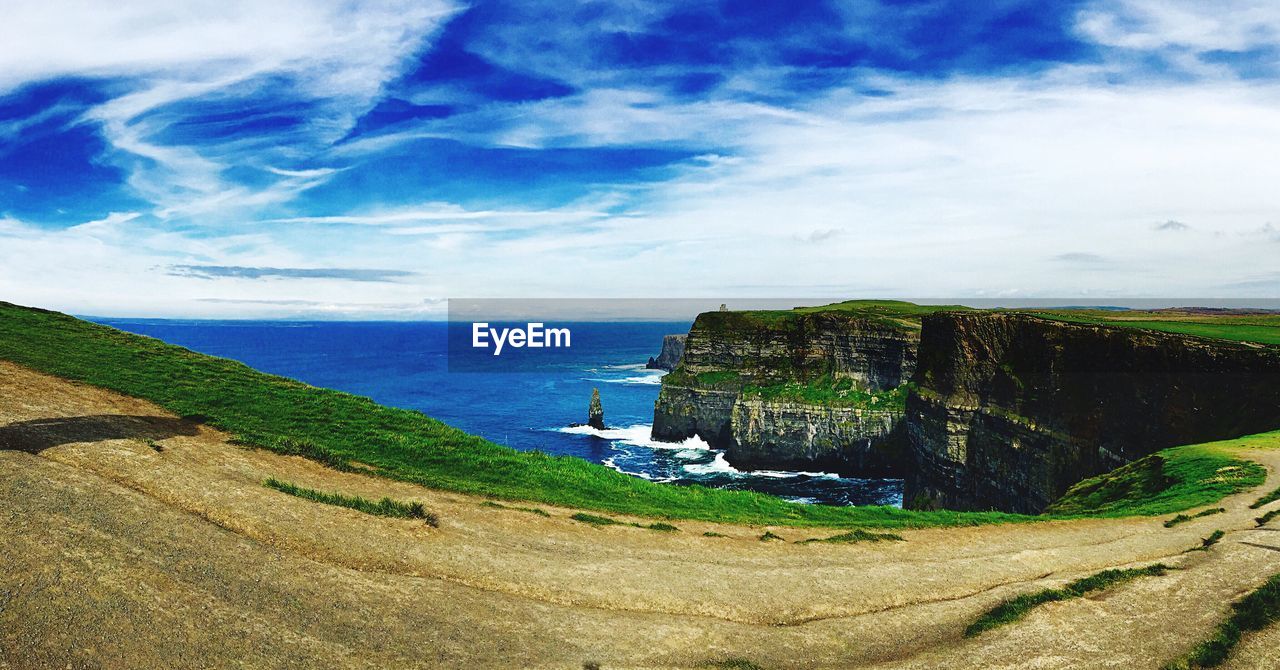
240, 272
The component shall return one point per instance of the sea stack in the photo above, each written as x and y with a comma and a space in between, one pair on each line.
669, 357
595, 413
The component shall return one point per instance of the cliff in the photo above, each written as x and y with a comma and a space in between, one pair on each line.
1012, 409
793, 389
669, 357
805, 436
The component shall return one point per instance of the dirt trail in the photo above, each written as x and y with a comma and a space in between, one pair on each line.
117, 554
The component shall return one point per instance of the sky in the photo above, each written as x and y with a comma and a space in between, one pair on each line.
311, 159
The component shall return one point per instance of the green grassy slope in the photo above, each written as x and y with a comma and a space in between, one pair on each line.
1170, 481
1258, 328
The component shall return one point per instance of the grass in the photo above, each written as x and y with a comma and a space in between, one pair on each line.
1207, 542
349, 432
1169, 481
385, 507
532, 510
1256, 611
1266, 500
825, 390
155, 446
597, 520
1266, 518
1258, 328
770, 536
712, 533
1183, 518
856, 536
1015, 609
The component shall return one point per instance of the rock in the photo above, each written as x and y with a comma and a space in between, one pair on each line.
595, 412
669, 357
788, 435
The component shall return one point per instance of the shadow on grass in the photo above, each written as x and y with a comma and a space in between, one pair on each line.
37, 435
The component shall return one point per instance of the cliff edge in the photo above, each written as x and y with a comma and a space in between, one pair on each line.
1012, 409
806, 388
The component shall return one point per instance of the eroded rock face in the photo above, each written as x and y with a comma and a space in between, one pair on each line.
1013, 409
684, 411
760, 349
726, 352
800, 436
669, 357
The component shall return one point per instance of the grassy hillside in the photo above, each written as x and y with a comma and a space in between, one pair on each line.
1171, 480
352, 432
1262, 328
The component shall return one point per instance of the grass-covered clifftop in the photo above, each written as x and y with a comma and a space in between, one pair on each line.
1237, 325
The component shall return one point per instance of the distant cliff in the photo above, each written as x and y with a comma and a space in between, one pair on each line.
669, 357
793, 389
1012, 409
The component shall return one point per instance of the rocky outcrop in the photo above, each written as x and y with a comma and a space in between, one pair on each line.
669, 357
595, 411
727, 353
1013, 409
685, 410
804, 436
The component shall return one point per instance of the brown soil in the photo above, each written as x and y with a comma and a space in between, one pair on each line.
119, 555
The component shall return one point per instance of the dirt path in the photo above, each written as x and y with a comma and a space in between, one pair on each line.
117, 554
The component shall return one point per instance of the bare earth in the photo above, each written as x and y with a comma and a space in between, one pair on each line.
117, 555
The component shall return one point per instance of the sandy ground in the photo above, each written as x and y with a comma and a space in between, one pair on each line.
118, 555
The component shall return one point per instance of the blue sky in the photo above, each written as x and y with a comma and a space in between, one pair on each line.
365, 160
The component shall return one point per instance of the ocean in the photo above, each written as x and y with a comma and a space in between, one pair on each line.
527, 406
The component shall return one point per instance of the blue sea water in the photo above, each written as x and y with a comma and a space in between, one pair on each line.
528, 404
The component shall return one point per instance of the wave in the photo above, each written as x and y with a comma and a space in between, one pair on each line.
721, 466
643, 380
612, 463
803, 500
639, 435
717, 466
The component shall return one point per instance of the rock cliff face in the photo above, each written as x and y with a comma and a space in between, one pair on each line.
770, 346
803, 436
1012, 409
669, 357
730, 357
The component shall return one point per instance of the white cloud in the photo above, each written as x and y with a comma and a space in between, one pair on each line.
335, 54
1234, 25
